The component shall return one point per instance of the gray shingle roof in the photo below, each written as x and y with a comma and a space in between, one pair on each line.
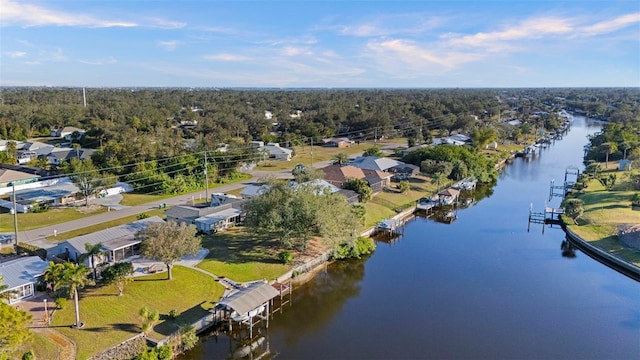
22, 271
111, 239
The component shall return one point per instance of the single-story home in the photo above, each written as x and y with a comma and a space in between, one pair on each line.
54, 195
253, 190
60, 155
276, 152
118, 243
9, 177
375, 163
20, 276
208, 218
342, 142
338, 175
67, 132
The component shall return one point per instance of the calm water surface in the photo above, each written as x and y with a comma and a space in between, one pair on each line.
481, 287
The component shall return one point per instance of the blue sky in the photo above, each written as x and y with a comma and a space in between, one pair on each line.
403, 44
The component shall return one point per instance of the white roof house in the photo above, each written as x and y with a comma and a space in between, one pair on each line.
20, 276
277, 152
253, 190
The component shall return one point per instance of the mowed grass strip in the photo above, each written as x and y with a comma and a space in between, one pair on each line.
102, 226
241, 256
42, 347
30, 221
110, 319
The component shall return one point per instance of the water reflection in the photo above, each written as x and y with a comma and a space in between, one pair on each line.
568, 250
323, 297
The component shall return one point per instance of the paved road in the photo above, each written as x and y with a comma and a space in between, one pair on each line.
37, 237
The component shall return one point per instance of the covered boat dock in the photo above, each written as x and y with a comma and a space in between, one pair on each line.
246, 303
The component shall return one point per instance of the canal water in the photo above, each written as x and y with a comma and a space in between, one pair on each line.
480, 287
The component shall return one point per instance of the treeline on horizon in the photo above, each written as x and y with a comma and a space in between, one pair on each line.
131, 126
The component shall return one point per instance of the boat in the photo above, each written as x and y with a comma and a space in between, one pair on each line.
426, 203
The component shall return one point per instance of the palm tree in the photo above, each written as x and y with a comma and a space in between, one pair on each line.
4, 295
91, 252
340, 158
74, 277
53, 274
608, 148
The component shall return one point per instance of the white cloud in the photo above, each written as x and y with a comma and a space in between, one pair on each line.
109, 61
225, 57
608, 26
15, 54
296, 51
165, 24
395, 24
168, 45
391, 53
533, 28
22, 14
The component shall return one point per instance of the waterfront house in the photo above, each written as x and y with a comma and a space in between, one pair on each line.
118, 243
21, 275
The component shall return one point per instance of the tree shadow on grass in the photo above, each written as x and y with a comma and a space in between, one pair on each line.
240, 247
189, 316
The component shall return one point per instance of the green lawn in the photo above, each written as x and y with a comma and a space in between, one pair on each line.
101, 226
604, 211
241, 256
320, 153
30, 221
42, 347
111, 319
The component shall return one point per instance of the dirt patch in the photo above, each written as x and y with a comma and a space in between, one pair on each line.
315, 247
88, 209
629, 236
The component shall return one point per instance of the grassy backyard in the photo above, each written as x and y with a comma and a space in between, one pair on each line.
241, 256
111, 319
604, 211
42, 347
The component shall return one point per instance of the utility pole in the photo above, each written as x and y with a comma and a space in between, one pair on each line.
311, 144
206, 178
15, 215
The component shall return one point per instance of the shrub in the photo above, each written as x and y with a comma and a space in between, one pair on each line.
173, 314
286, 257
188, 336
142, 216
29, 355
61, 302
362, 246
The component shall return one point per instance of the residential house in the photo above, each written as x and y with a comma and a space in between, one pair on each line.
31, 150
118, 243
21, 275
9, 177
61, 193
342, 142
207, 218
60, 155
375, 163
338, 175
276, 152
253, 190
68, 133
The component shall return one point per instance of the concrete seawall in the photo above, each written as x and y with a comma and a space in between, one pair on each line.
602, 256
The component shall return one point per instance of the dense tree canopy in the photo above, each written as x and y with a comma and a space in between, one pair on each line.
467, 162
294, 214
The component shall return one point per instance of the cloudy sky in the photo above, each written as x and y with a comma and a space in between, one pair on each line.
357, 43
